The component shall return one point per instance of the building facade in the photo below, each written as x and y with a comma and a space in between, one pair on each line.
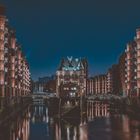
71, 77
122, 73
113, 80
109, 81
133, 67
138, 61
14, 68
97, 85
45, 84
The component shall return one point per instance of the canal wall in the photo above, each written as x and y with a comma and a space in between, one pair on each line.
132, 106
11, 111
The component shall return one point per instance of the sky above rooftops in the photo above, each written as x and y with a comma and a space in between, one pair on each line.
50, 30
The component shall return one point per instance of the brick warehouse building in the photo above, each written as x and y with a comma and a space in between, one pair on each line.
97, 84
133, 66
122, 72
113, 80
71, 77
122, 78
14, 68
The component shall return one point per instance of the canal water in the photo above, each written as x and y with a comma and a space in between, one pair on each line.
98, 122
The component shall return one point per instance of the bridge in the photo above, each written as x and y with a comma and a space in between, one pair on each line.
104, 97
39, 97
45, 95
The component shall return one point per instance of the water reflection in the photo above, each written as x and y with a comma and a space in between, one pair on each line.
97, 109
97, 122
70, 131
16, 129
39, 114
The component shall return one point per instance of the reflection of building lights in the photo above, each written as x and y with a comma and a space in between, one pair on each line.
137, 136
58, 131
21, 129
33, 119
44, 118
125, 123
75, 134
68, 133
47, 119
83, 132
97, 110
51, 121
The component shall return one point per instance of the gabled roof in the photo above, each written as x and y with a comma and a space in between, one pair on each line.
70, 63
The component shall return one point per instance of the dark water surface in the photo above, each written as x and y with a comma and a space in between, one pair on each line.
98, 123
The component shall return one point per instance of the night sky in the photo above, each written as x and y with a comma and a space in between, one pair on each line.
50, 30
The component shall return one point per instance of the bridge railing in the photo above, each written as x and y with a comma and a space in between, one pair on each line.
104, 96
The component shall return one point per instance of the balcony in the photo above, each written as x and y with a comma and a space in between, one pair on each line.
6, 50
6, 41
